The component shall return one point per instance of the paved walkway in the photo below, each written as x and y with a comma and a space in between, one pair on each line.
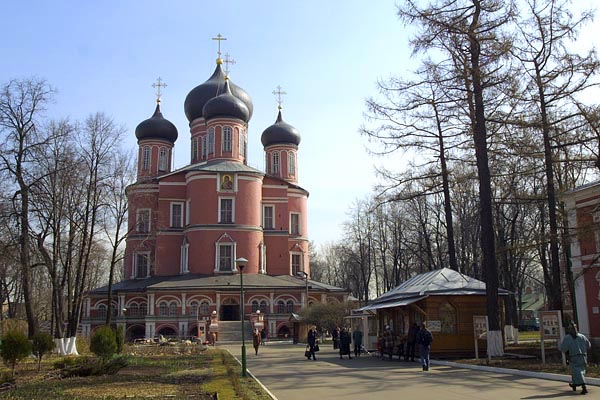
288, 375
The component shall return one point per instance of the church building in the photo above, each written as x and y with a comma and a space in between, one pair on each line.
194, 230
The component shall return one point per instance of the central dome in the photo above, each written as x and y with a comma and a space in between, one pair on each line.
214, 86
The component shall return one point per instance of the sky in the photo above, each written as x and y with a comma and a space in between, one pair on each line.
103, 56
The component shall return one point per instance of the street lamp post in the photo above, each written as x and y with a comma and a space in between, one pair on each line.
305, 276
241, 263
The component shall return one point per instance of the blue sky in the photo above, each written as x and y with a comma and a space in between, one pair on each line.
327, 55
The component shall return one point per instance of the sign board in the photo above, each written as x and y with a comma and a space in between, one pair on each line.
480, 329
434, 326
550, 324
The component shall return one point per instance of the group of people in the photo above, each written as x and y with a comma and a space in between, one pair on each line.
388, 344
342, 339
259, 338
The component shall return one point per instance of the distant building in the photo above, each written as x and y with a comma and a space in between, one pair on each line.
189, 226
583, 208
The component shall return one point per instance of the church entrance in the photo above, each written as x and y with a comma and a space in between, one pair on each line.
230, 310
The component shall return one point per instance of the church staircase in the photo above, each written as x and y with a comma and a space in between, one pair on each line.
231, 331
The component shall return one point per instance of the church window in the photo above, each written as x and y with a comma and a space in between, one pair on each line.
268, 213
187, 212
255, 306
204, 308
143, 309
102, 311
141, 265
225, 211
133, 310
291, 163
211, 141
204, 148
289, 307
263, 307
163, 309
227, 139
225, 257
194, 149
448, 318
162, 159
242, 144
280, 307
296, 263
172, 310
194, 309
184, 267
295, 224
146, 158
275, 163
143, 220
176, 215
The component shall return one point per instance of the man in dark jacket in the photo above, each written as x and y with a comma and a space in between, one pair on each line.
345, 340
411, 341
424, 339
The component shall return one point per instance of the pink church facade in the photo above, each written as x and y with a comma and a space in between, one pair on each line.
188, 227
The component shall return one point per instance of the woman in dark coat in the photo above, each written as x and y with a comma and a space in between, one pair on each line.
345, 340
311, 340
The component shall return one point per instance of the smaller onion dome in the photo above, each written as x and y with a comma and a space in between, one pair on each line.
156, 127
226, 105
280, 133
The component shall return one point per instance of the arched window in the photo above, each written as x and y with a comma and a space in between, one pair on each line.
162, 159
255, 306
172, 310
143, 309
211, 140
275, 163
204, 147
280, 307
133, 310
291, 163
194, 148
263, 307
204, 308
289, 307
102, 311
194, 309
448, 318
163, 309
146, 158
227, 139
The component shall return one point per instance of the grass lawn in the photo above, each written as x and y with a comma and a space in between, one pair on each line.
154, 372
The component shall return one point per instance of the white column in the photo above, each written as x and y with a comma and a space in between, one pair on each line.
121, 304
218, 304
182, 303
151, 304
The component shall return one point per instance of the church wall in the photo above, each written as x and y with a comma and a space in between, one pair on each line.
168, 253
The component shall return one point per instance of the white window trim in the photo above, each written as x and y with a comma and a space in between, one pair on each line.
291, 163
299, 224
301, 266
227, 130
263, 258
146, 158
134, 264
233, 256
232, 209
184, 267
138, 212
173, 203
162, 159
272, 207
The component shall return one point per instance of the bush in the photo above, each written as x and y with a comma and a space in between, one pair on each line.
120, 337
15, 347
104, 343
41, 343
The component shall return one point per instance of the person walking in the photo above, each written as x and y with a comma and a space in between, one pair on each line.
577, 346
424, 339
357, 338
311, 340
256, 341
345, 340
411, 340
263, 336
335, 335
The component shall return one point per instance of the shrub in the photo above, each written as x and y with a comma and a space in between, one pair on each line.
15, 347
104, 343
41, 343
120, 337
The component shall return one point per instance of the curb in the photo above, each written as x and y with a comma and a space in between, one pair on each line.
529, 374
253, 377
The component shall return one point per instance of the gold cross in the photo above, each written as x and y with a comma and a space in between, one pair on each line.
159, 84
279, 93
228, 61
219, 38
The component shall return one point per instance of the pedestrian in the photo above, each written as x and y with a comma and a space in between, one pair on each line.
357, 338
311, 340
424, 339
335, 335
345, 340
256, 341
411, 341
577, 346
263, 336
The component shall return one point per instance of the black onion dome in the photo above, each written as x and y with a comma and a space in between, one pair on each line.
156, 127
280, 133
200, 95
226, 105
